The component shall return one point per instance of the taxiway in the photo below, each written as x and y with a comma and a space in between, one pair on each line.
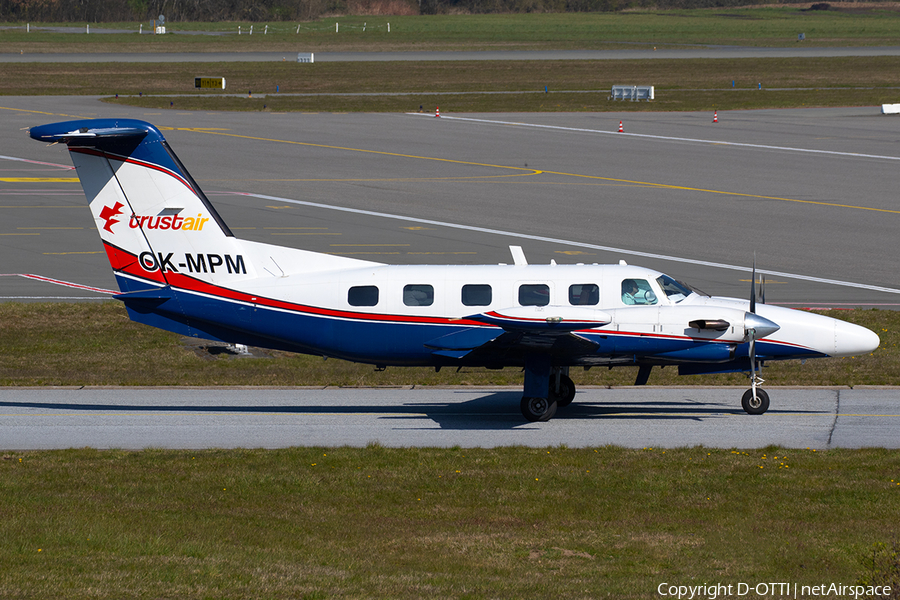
195, 418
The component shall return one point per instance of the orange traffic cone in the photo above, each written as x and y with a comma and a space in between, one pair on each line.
621, 129
437, 111
716, 117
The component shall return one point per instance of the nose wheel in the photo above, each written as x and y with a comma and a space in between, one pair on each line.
755, 401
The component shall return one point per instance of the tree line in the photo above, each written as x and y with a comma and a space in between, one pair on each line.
99, 11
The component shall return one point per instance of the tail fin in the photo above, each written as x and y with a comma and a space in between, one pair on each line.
155, 222
178, 265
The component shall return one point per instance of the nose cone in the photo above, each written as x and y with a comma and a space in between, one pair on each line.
761, 325
850, 339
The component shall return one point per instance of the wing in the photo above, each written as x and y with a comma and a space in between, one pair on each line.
521, 330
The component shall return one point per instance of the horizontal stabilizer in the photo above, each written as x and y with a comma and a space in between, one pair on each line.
152, 296
85, 130
162, 293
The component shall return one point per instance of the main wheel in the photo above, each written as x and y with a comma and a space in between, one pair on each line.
755, 406
538, 409
566, 392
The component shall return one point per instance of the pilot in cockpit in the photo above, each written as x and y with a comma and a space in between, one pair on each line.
633, 294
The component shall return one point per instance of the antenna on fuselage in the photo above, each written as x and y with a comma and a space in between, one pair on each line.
518, 256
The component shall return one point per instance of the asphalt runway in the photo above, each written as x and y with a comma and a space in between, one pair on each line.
812, 192
137, 418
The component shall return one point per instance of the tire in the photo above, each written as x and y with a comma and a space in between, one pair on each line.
755, 408
538, 409
566, 391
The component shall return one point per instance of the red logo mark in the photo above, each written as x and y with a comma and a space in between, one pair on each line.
108, 213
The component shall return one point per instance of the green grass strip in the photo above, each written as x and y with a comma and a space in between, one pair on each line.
477, 86
441, 523
775, 26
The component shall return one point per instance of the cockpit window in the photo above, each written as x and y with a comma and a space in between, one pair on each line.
674, 290
637, 291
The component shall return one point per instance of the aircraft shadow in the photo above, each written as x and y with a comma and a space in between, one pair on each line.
500, 410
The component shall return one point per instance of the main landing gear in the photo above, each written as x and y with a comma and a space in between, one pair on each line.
535, 408
546, 389
561, 392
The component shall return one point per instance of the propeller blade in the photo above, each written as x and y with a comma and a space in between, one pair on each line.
762, 289
753, 286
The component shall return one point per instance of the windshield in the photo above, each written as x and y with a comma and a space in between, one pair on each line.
675, 291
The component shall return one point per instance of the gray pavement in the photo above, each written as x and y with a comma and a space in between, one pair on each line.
812, 192
136, 418
724, 52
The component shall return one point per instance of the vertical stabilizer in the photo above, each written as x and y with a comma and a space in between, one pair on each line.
156, 224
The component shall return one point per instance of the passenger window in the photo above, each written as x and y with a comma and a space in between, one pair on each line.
534, 294
363, 295
584, 294
637, 291
476, 295
418, 295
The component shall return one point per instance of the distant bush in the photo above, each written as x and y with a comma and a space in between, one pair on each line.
98, 11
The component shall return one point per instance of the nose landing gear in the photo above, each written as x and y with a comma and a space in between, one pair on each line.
755, 401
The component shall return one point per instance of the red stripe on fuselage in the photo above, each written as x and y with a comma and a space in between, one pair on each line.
127, 263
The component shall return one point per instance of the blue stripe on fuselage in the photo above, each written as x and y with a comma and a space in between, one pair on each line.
382, 342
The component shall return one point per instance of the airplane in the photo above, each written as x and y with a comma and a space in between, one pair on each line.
180, 268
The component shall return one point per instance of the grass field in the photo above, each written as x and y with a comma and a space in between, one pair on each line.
425, 523
472, 86
763, 27
706, 84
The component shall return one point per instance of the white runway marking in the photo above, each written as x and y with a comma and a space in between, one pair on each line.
539, 238
36, 162
60, 282
665, 137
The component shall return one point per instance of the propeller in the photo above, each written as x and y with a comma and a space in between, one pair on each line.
756, 326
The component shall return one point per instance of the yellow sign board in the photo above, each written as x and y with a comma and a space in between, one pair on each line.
209, 82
